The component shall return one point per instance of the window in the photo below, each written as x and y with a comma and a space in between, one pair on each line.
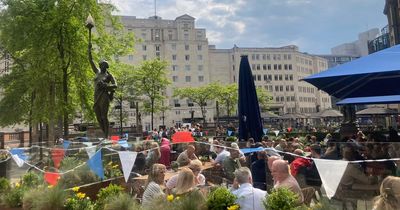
264, 66
291, 77
158, 54
132, 105
253, 66
281, 88
259, 77
285, 67
275, 66
276, 88
201, 78
144, 47
176, 103
187, 57
279, 66
174, 67
199, 47
174, 57
144, 35
264, 57
286, 77
169, 36
276, 77
173, 46
187, 67
269, 67
186, 36
188, 79
253, 57
199, 57
175, 78
186, 47
200, 68
291, 88
265, 78
280, 77
130, 57
257, 57
144, 57
157, 47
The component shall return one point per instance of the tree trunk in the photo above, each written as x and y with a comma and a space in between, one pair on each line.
51, 123
228, 108
120, 116
65, 97
152, 113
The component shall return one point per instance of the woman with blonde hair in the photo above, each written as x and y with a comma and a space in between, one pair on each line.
389, 198
186, 182
191, 196
154, 181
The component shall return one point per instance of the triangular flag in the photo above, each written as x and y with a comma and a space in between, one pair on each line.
18, 160
19, 152
126, 135
289, 129
127, 159
51, 177
57, 155
66, 144
115, 138
265, 130
123, 143
230, 133
331, 172
96, 164
88, 144
276, 133
90, 151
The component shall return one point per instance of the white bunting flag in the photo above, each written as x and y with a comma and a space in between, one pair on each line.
276, 133
127, 159
18, 160
331, 172
90, 151
88, 144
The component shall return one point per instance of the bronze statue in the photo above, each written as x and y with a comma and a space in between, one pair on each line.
104, 88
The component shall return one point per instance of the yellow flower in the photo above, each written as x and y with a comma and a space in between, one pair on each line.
75, 189
177, 198
170, 198
17, 185
115, 166
81, 195
233, 207
50, 186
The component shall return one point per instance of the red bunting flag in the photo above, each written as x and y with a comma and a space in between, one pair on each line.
51, 177
289, 129
182, 136
57, 156
114, 139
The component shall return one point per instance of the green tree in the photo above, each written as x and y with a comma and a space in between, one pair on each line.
199, 95
228, 96
125, 92
47, 41
151, 82
264, 98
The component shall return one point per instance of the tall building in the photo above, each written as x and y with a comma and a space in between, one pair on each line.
359, 47
193, 62
392, 11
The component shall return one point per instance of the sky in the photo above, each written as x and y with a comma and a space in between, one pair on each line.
315, 26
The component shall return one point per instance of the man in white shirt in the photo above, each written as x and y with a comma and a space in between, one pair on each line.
248, 197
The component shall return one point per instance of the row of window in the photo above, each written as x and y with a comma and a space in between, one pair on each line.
268, 77
282, 98
304, 61
187, 78
307, 99
173, 47
187, 67
270, 67
306, 89
279, 88
187, 57
308, 110
304, 69
269, 57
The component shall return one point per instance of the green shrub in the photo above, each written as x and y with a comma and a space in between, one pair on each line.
13, 198
107, 192
69, 162
78, 201
231, 139
281, 198
220, 199
121, 202
81, 176
30, 180
4, 185
31, 196
50, 199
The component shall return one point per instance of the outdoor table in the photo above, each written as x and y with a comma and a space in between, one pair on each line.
171, 173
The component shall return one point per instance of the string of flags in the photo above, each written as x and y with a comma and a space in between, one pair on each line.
331, 171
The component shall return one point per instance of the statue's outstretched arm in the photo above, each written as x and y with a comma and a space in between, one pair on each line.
94, 68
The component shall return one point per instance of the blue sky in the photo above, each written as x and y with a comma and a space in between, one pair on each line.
314, 25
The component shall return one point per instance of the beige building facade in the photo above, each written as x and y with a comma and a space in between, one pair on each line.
193, 62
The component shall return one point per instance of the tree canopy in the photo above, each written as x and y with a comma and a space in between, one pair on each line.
47, 40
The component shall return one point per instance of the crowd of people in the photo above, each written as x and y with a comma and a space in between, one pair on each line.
252, 176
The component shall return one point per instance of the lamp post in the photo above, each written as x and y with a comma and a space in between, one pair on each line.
90, 25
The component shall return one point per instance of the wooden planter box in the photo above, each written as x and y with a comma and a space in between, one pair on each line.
5, 167
92, 189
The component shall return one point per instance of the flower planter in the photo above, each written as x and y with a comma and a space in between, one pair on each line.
92, 189
5, 167
8, 208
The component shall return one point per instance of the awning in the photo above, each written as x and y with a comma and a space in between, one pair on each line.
377, 74
392, 99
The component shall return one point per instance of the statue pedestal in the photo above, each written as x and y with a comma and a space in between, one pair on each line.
347, 130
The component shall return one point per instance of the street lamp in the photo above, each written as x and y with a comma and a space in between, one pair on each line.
90, 25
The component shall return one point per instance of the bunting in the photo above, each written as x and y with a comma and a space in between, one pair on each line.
66, 144
265, 131
96, 165
51, 177
20, 152
90, 151
230, 133
57, 155
276, 133
18, 160
331, 172
127, 159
